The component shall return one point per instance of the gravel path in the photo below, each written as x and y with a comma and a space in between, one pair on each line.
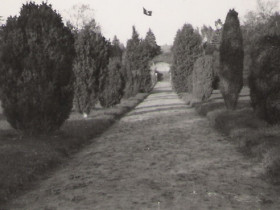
162, 155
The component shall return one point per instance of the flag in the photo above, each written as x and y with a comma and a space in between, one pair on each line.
146, 12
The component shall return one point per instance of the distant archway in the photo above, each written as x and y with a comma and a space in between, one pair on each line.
162, 63
162, 69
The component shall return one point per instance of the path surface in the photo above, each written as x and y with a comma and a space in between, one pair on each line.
162, 155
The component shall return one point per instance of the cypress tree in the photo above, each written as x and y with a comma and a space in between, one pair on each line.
137, 57
231, 60
145, 80
36, 69
116, 49
132, 60
92, 51
186, 49
148, 50
151, 44
111, 82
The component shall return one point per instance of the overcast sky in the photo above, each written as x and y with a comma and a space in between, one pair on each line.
116, 17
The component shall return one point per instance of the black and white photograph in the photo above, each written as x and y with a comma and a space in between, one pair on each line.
139, 104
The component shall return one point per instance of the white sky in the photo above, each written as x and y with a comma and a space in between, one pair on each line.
116, 17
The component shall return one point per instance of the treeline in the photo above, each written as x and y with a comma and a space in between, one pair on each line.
203, 61
47, 68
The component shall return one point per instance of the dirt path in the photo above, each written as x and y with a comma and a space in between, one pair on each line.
162, 155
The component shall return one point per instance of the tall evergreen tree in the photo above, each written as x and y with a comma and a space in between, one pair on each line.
151, 44
186, 49
116, 49
92, 57
231, 60
132, 60
137, 59
148, 50
132, 49
111, 81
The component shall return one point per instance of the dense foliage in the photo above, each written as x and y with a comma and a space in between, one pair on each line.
92, 57
216, 69
186, 49
131, 64
264, 79
151, 45
36, 69
137, 57
111, 84
116, 48
148, 50
231, 60
203, 77
111, 81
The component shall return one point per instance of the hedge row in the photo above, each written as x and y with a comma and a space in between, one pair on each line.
46, 66
196, 68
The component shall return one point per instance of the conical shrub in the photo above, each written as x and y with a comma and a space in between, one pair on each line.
231, 60
36, 69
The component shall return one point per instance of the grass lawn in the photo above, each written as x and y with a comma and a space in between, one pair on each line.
254, 137
23, 160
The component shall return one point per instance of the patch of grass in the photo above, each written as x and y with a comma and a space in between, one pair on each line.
204, 108
186, 97
253, 137
25, 159
228, 121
